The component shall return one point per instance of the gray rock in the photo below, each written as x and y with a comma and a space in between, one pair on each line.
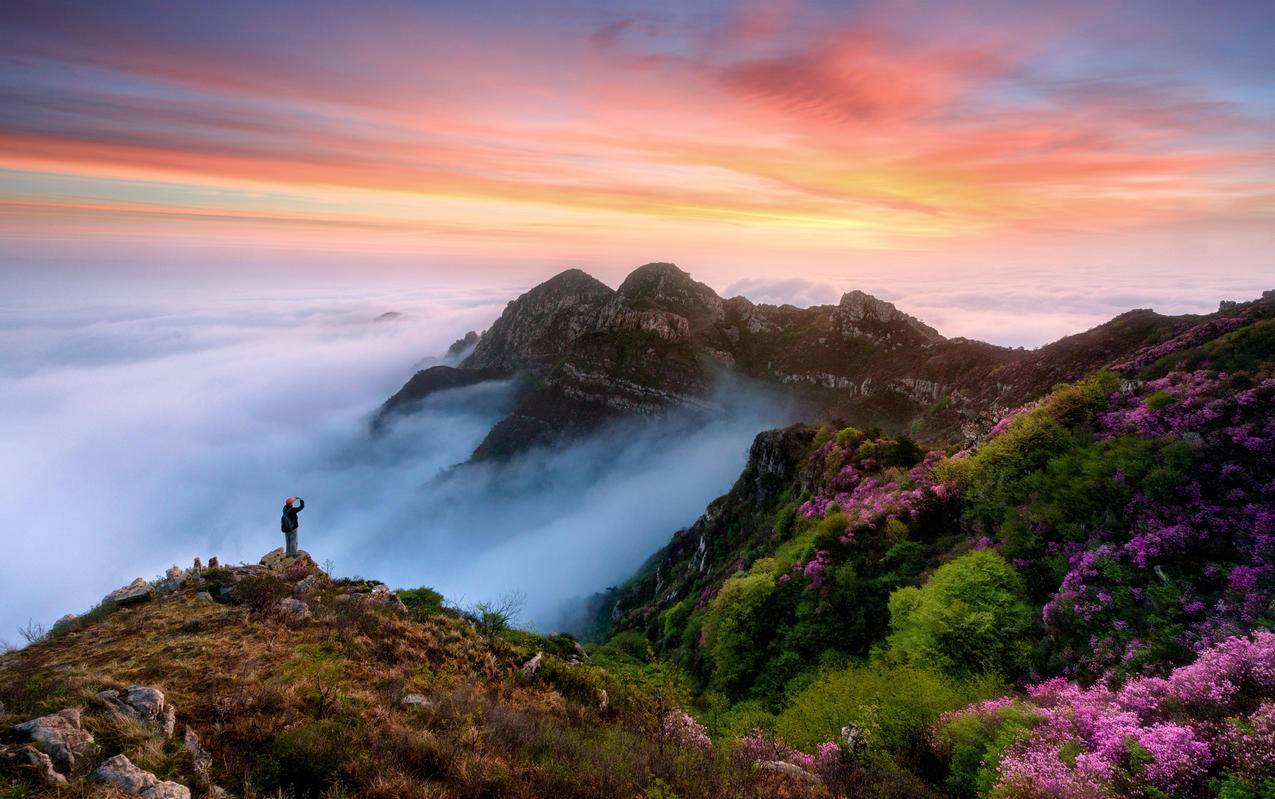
416, 700
166, 790
137, 591
147, 703
533, 665
293, 609
198, 755
308, 584
787, 769
120, 772
59, 736
204, 596
168, 721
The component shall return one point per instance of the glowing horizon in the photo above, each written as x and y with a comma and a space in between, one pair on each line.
515, 133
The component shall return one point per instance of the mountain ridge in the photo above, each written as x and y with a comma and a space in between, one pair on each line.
588, 354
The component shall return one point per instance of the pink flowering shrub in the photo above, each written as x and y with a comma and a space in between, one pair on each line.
1190, 558
682, 728
1154, 734
757, 747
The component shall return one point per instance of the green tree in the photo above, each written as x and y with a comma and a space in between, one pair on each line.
737, 631
971, 616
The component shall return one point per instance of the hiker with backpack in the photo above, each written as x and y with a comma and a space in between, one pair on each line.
289, 523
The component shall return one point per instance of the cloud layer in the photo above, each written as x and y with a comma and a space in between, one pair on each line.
145, 434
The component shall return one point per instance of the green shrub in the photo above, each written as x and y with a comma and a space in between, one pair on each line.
894, 704
306, 761
973, 744
737, 628
971, 616
422, 602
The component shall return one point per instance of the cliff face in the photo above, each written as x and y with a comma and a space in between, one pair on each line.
589, 354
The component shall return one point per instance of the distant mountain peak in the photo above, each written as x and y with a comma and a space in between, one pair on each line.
857, 307
665, 287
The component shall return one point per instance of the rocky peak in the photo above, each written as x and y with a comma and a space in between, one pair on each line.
540, 324
864, 314
664, 287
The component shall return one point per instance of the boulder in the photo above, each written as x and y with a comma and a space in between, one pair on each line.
381, 596
204, 596
137, 591
788, 770
416, 700
59, 736
120, 772
292, 609
532, 666
295, 569
142, 703
147, 703
308, 584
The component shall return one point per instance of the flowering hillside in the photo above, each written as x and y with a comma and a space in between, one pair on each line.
1100, 554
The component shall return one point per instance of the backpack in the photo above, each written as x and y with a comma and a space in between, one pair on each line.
286, 524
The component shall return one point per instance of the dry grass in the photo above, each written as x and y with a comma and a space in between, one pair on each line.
314, 708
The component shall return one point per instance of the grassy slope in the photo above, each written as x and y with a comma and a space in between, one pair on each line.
314, 708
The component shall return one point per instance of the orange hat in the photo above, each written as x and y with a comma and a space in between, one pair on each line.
290, 500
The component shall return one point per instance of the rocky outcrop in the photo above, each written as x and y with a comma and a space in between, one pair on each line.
294, 568
144, 704
706, 549
539, 325
137, 591
120, 773
292, 609
59, 736
428, 382
461, 347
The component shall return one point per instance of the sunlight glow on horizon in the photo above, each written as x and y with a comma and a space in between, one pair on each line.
792, 131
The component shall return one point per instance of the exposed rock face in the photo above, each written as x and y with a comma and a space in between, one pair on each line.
538, 326
120, 773
461, 346
137, 591
59, 736
588, 354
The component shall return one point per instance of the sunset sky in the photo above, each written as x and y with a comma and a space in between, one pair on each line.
821, 141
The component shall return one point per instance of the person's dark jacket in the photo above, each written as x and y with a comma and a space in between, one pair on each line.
289, 521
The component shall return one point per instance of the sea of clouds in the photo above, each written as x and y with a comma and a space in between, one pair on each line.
161, 425
141, 433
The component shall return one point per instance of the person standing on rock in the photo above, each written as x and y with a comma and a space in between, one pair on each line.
289, 523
